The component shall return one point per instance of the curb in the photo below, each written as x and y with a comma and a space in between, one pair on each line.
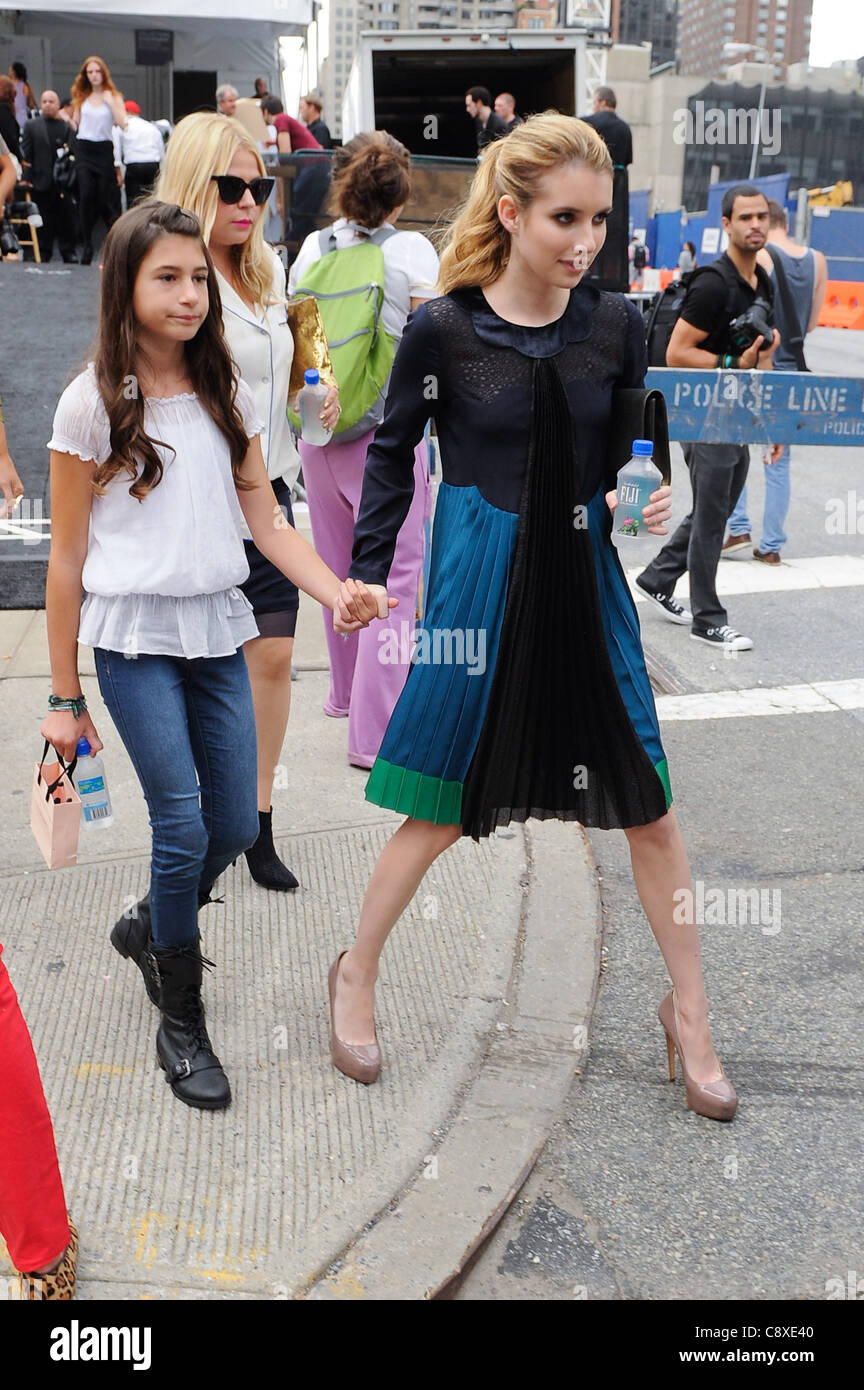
422, 1243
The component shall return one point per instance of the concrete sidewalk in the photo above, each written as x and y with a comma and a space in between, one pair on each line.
309, 1185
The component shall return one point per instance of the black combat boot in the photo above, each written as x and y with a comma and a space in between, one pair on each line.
185, 1051
265, 866
132, 937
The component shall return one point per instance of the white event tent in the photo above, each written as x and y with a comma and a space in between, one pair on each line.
168, 55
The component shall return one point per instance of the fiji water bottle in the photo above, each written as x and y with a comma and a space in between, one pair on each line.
91, 787
636, 482
312, 397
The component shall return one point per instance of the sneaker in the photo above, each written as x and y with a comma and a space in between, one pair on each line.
768, 557
723, 637
735, 543
669, 606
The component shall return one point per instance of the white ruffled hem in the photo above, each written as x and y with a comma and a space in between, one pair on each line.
200, 625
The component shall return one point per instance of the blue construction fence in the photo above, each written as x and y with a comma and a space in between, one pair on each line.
838, 232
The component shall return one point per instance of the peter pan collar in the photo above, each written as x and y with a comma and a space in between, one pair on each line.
574, 325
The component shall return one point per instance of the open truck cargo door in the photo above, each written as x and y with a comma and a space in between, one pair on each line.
413, 84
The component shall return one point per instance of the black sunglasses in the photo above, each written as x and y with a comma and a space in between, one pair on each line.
232, 188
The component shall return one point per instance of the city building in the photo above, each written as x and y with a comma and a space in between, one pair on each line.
652, 108
777, 31
650, 21
811, 128
537, 14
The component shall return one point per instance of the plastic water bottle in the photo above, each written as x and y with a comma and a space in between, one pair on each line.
636, 482
92, 788
312, 397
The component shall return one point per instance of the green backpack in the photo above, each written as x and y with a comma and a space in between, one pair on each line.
349, 287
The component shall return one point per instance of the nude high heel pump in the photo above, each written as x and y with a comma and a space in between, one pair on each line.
360, 1061
717, 1100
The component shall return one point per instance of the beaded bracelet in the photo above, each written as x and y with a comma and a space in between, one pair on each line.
77, 704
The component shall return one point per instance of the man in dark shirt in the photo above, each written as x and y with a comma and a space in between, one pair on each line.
505, 107
489, 127
310, 113
307, 191
718, 293
40, 141
610, 269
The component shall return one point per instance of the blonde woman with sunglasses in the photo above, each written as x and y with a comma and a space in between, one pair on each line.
213, 168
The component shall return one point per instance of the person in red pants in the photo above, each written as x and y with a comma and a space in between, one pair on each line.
42, 1243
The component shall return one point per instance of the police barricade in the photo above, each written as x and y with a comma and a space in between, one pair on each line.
757, 407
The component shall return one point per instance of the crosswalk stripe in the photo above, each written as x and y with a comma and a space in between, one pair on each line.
822, 697
741, 577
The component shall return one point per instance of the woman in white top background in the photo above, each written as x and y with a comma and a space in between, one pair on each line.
155, 462
97, 107
371, 183
213, 167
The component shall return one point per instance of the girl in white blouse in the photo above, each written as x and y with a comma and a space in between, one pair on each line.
155, 463
213, 168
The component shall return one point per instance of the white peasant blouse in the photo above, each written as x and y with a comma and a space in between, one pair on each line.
161, 575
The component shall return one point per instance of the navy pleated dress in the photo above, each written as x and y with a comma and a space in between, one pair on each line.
528, 693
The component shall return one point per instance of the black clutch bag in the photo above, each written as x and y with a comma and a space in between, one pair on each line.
637, 414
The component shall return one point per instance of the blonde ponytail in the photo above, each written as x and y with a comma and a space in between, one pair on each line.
476, 248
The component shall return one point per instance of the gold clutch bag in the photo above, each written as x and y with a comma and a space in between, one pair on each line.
310, 342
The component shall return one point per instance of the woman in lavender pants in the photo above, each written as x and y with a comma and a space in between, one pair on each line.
371, 183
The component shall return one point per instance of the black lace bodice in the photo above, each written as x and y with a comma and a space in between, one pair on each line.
474, 371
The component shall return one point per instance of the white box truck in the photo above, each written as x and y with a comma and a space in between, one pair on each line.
412, 83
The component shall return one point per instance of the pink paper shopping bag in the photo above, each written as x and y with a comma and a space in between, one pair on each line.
55, 811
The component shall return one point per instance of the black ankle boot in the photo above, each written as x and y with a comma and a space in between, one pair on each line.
131, 936
265, 866
185, 1052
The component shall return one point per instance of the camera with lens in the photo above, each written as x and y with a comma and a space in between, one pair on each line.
755, 322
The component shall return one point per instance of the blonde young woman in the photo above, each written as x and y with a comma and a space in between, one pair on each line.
97, 107
212, 167
525, 359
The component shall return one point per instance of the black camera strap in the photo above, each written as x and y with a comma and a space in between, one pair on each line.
795, 343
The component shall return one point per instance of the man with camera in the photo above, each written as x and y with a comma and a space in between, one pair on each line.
726, 321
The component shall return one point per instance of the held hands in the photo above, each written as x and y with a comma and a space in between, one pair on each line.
656, 514
357, 604
63, 731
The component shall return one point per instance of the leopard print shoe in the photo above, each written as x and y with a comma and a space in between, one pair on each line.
59, 1285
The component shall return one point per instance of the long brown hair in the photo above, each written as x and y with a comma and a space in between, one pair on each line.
371, 177
208, 361
477, 245
7, 92
82, 86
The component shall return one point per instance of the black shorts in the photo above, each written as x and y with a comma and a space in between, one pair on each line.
274, 599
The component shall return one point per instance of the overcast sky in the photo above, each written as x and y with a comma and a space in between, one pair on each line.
837, 31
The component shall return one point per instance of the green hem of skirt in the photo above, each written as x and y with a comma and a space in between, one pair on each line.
662, 770
429, 798
415, 794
